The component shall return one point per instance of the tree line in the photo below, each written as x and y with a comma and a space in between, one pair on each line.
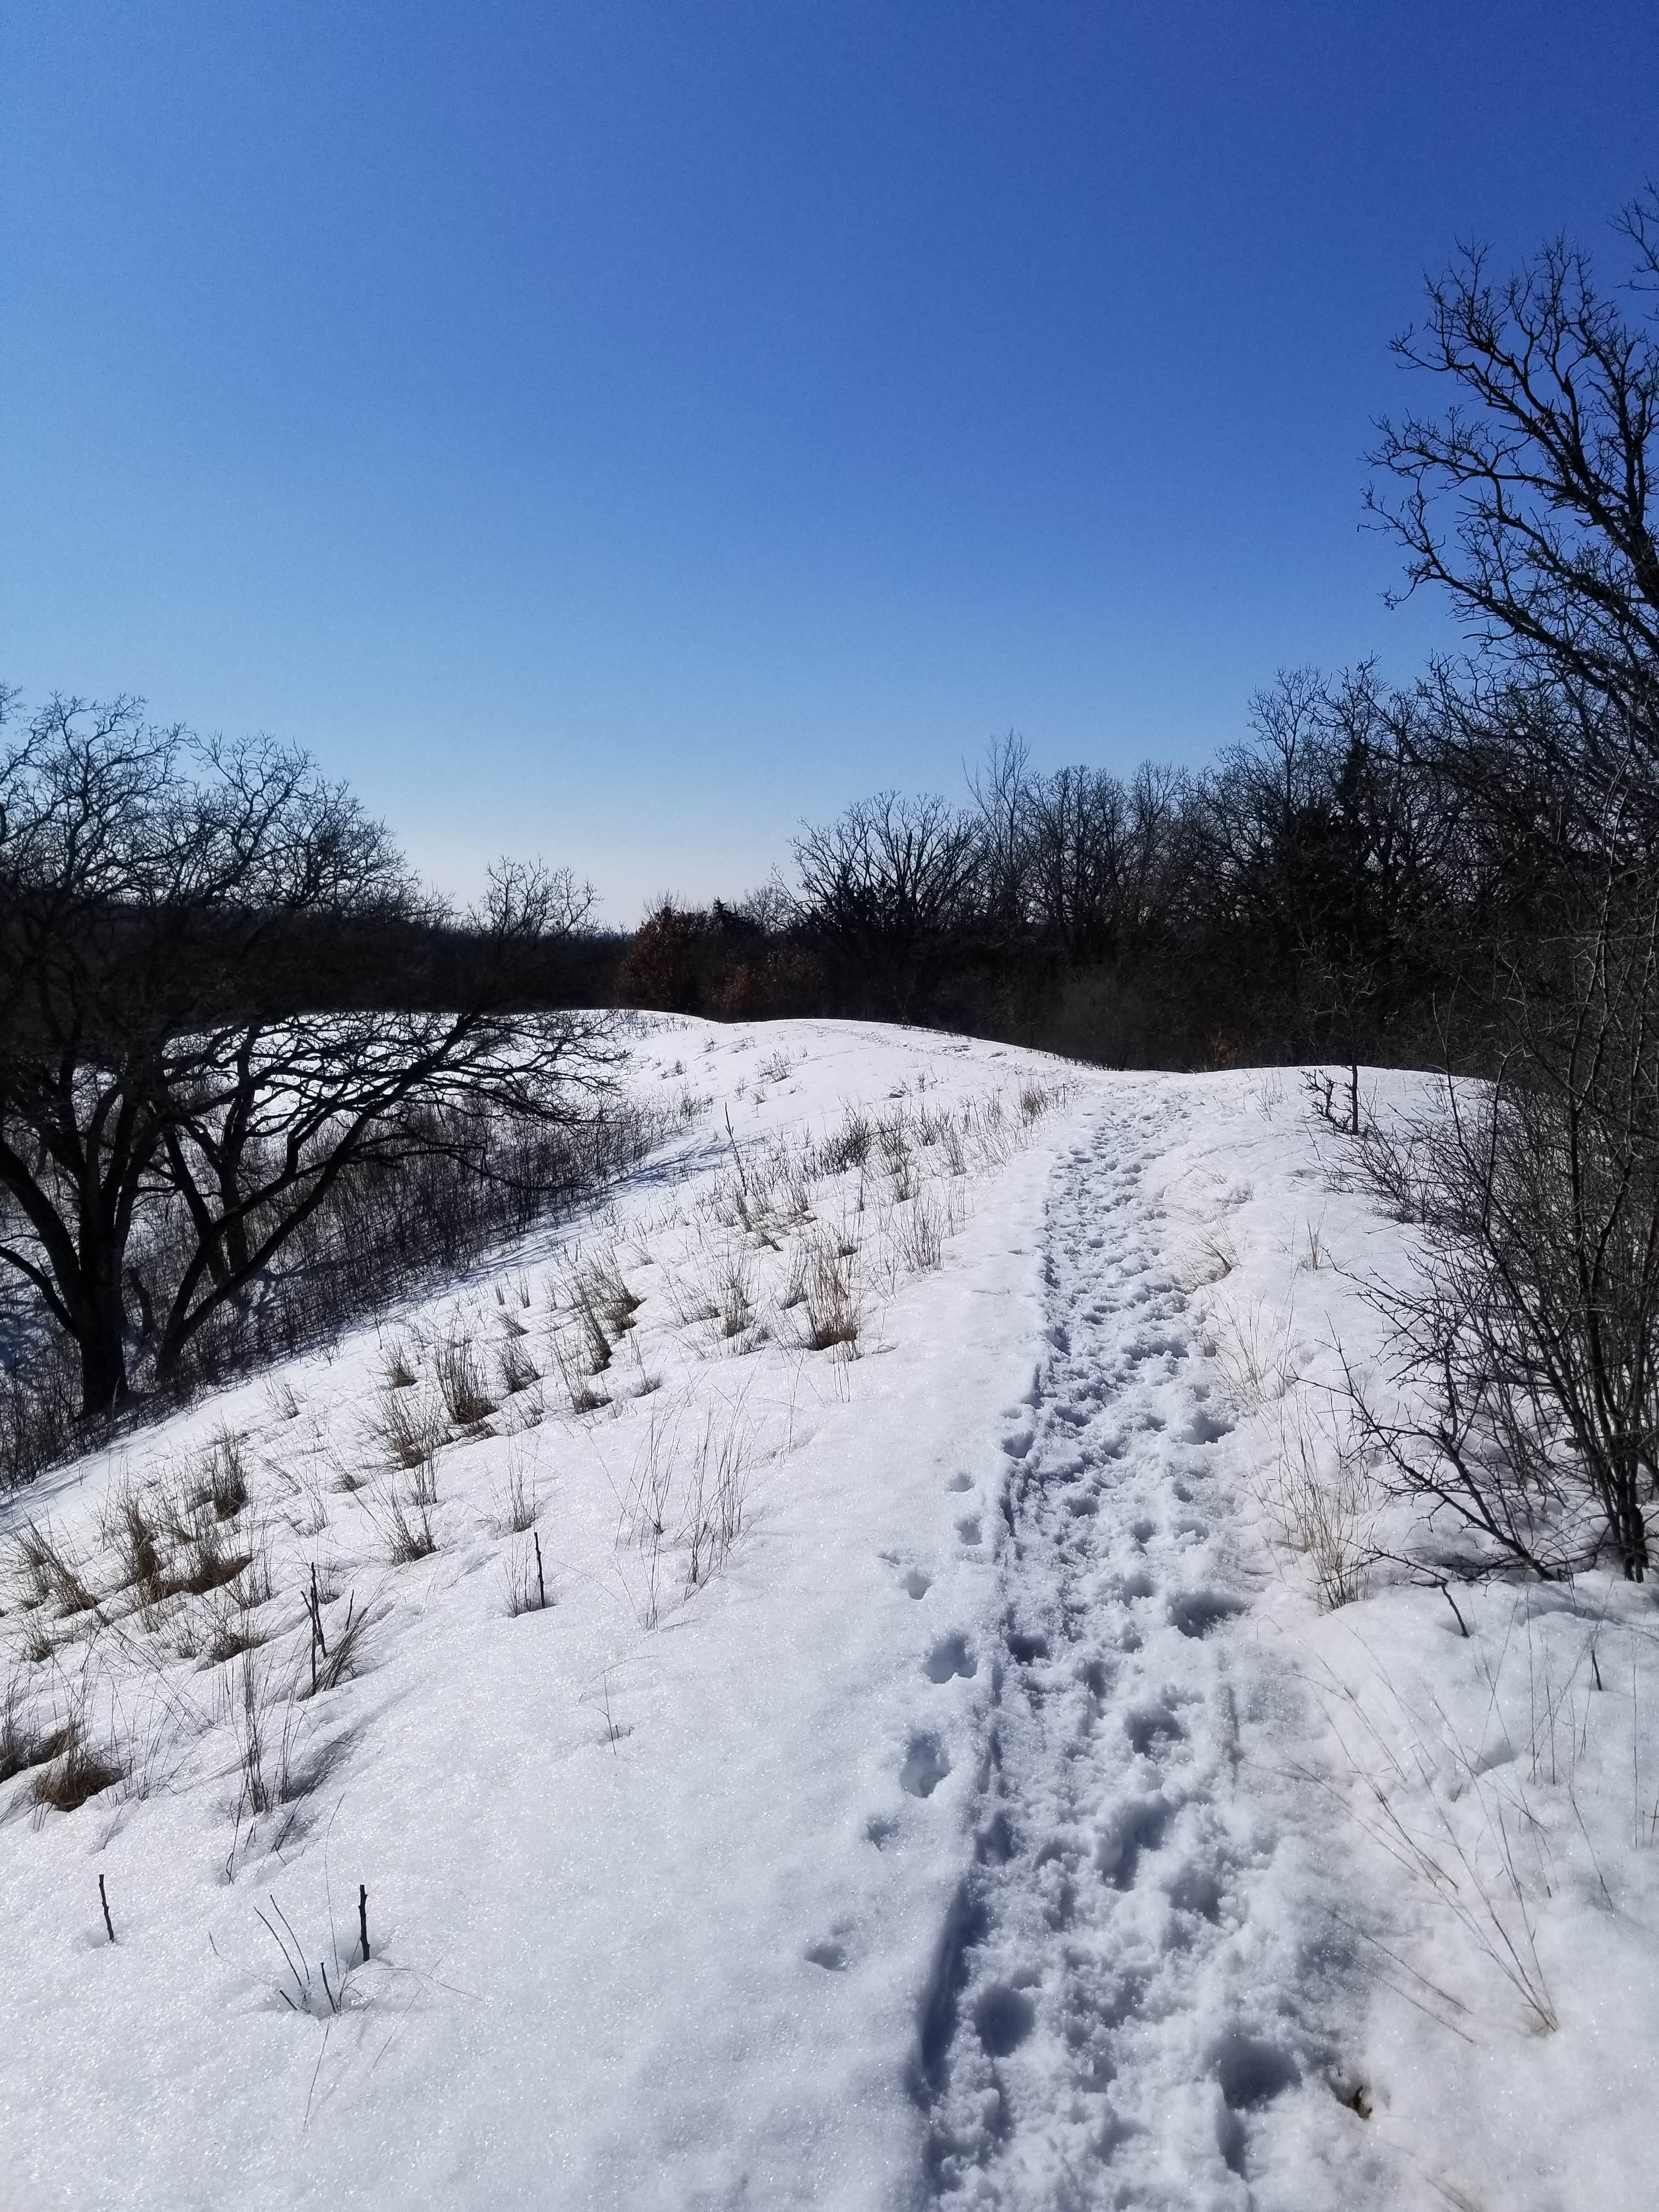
1340, 882
1459, 874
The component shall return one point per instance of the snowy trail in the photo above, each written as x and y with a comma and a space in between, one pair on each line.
1126, 2010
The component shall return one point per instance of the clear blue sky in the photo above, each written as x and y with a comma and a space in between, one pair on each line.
614, 431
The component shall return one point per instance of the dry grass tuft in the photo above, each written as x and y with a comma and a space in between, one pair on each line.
80, 1768
734, 1284
1320, 1495
518, 1502
221, 1481
283, 1399
1253, 1349
405, 1522
26, 1742
846, 1147
50, 1573
920, 1235
338, 1647
518, 1370
410, 1426
131, 1526
830, 1322
461, 1383
398, 1370
526, 1580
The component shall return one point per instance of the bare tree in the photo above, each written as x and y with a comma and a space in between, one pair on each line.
888, 888
1001, 790
170, 910
1530, 500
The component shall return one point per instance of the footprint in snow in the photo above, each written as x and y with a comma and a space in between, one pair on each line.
1137, 1827
1208, 1428
1004, 2017
926, 1766
949, 1658
1195, 1612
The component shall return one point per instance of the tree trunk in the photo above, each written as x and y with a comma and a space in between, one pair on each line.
100, 1337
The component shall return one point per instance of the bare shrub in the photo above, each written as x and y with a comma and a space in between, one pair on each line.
986, 1138
310, 1518
423, 1483
645, 1510
249, 1719
323, 1997
1524, 1353
950, 1147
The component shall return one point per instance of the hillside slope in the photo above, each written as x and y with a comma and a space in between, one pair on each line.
932, 1772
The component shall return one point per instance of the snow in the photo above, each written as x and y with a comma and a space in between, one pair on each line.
938, 1774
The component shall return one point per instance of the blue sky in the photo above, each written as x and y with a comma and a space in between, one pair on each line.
615, 431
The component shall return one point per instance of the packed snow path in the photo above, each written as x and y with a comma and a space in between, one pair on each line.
1122, 2013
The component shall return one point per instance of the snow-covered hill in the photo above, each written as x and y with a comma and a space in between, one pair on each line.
826, 1674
